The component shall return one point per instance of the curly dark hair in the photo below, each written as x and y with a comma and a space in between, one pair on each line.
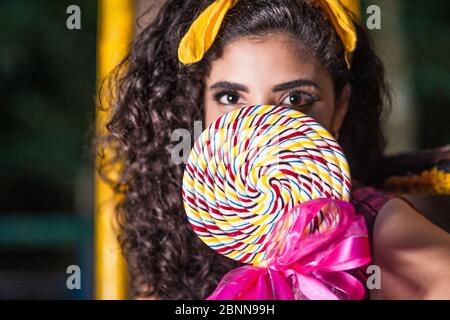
153, 94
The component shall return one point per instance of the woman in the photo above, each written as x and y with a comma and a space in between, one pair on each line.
286, 52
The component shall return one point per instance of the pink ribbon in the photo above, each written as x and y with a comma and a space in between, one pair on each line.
305, 266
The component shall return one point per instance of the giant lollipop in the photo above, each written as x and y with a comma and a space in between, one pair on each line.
249, 168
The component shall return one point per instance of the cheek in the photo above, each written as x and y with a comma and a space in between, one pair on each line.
211, 111
210, 116
322, 112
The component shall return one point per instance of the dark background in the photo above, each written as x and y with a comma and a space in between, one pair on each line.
47, 77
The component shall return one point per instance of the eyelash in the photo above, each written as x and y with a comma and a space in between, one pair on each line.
310, 98
220, 94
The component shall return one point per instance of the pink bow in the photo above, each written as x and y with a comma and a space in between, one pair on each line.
304, 266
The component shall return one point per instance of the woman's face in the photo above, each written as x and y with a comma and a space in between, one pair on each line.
272, 70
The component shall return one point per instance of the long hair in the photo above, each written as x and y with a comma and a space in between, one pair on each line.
153, 94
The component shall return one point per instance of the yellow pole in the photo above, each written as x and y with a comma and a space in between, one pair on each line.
115, 31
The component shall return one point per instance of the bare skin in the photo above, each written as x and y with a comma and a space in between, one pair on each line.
413, 253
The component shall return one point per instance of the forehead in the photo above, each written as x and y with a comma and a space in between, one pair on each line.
273, 58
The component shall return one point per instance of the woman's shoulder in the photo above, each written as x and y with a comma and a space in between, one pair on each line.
369, 201
406, 244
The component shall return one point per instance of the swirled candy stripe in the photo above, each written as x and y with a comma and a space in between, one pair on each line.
250, 167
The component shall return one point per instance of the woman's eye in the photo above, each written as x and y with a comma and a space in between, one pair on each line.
298, 99
227, 98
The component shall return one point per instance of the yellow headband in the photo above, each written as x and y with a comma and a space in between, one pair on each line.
204, 29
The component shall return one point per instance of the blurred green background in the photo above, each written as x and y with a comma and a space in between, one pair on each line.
47, 76
47, 83
427, 30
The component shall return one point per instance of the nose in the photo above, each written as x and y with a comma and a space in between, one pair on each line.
262, 99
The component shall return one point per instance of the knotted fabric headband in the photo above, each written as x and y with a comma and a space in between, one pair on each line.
204, 29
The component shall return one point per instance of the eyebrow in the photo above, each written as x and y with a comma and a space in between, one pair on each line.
295, 84
229, 86
279, 87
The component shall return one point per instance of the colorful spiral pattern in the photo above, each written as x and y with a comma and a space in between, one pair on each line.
252, 166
